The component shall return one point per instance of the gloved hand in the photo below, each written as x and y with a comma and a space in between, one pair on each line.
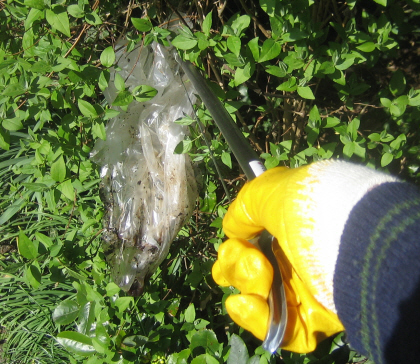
305, 209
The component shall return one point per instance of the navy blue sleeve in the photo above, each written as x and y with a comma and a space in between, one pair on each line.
377, 276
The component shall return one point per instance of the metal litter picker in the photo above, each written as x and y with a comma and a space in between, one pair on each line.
252, 166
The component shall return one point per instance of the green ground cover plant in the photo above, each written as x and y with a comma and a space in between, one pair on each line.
305, 80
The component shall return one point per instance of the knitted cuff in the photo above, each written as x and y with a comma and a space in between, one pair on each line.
377, 275
331, 190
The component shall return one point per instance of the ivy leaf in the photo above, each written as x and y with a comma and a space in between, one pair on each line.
108, 57
306, 93
26, 247
58, 19
76, 343
58, 170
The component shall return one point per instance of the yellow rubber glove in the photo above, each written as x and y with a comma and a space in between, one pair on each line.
305, 209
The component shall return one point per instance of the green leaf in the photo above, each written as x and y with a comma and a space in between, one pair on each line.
289, 85
294, 35
397, 83
58, 19
206, 339
103, 80
37, 4
26, 247
183, 147
13, 124
66, 312
5, 139
234, 45
414, 100
33, 275
86, 108
353, 127
112, 289
386, 159
381, 2
270, 49
123, 98
144, 93
14, 89
399, 106
98, 130
76, 343
189, 315
348, 149
367, 47
86, 318
44, 239
119, 82
108, 57
385, 102
226, 159
238, 350
306, 93
142, 24
254, 48
122, 303
240, 24
243, 74
276, 71
207, 23
203, 359
67, 189
76, 11
135, 341
182, 42
58, 170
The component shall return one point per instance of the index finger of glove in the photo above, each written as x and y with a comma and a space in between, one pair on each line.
260, 204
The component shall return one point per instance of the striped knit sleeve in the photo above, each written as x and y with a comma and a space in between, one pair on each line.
377, 275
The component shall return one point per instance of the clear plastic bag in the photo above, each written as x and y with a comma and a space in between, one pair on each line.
148, 191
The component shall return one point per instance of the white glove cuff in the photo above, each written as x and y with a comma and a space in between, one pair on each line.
335, 187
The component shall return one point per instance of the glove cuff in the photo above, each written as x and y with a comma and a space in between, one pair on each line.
333, 189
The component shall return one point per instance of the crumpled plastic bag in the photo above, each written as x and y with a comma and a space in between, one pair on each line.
148, 191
